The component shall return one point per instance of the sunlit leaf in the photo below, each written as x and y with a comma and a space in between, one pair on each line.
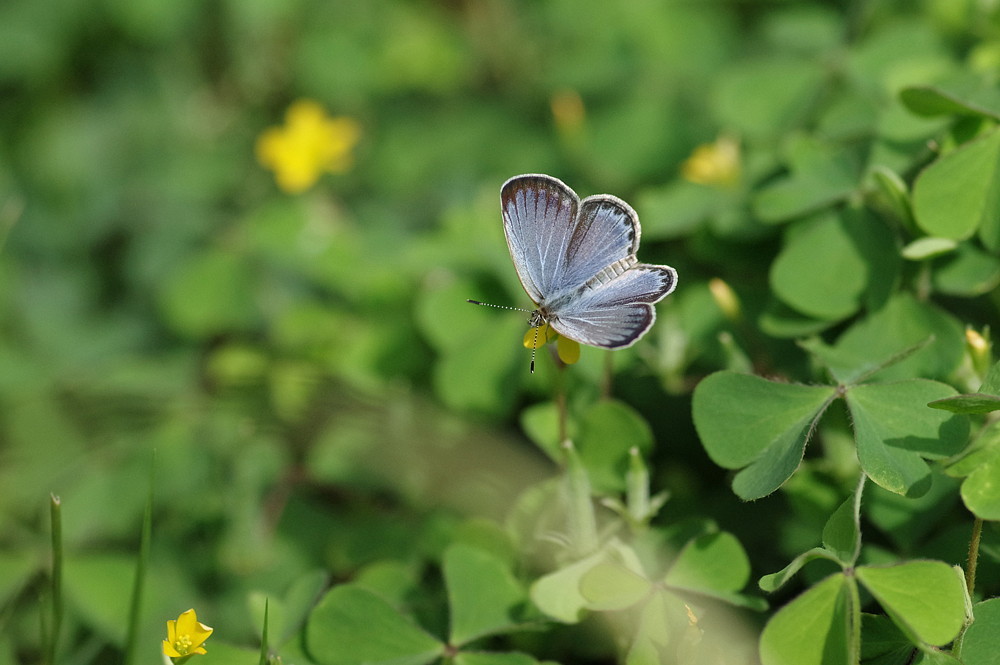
926, 599
813, 629
981, 490
609, 585
895, 431
979, 644
955, 196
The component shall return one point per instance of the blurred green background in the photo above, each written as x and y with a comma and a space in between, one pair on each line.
315, 388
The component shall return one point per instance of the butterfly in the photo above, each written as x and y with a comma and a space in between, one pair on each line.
576, 261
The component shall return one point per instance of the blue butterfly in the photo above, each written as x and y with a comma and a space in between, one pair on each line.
576, 261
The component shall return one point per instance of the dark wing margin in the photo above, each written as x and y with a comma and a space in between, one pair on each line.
539, 213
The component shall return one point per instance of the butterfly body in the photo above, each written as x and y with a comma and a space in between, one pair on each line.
576, 260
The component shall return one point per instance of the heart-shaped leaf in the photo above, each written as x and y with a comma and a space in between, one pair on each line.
610, 585
842, 534
482, 593
747, 421
352, 625
981, 491
959, 193
813, 629
712, 562
979, 644
894, 432
926, 599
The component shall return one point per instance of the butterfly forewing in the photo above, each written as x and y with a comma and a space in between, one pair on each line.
558, 243
538, 217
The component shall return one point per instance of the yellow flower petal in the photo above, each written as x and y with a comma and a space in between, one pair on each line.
171, 638
539, 336
309, 144
714, 163
568, 111
535, 337
305, 113
725, 298
185, 636
568, 350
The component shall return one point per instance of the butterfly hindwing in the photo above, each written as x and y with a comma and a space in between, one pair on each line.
607, 231
614, 313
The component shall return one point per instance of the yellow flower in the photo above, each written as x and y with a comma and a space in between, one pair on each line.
714, 163
185, 636
567, 349
568, 111
980, 350
725, 298
309, 143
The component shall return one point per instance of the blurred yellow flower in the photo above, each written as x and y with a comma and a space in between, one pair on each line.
185, 636
725, 298
568, 111
714, 163
309, 143
567, 349
980, 350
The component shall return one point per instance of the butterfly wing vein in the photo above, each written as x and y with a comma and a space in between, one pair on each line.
576, 261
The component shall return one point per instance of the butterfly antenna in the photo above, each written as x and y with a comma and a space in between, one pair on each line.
534, 347
487, 304
534, 344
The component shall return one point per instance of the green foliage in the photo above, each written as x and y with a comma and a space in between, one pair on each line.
979, 641
353, 625
926, 601
353, 464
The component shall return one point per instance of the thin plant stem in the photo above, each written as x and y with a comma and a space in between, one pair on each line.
606, 376
582, 522
264, 648
922, 284
854, 619
55, 511
970, 568
560, 398
857, 517
135, 607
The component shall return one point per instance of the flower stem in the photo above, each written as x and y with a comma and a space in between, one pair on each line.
55, 511
970, 568
582, 522
854, 620
857, 517
135, 608
607, 377
264, 648
560, 395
